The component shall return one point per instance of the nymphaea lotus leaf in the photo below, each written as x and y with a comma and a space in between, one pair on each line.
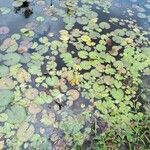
4, 30
11, 59
17, 3
6, 97
87, 40
27, 32
40, 19
31, 93
86, 65
43, 40
24, 46
48, 118
4, 70
34, 108
83, 54
100, 47
117, 94
16, 114
6, 83
64, 35
141, 15
9, 45
23, 76
4, 10
73, 94
52, 81
104, 25
25, 132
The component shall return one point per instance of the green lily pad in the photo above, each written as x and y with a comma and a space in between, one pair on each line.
141, 15
4, 10
40, 19
27, 32
86, 65
16, 114
83, 54
11, 59
100, 47
6, 97
51, 81
4, 70
117, 94
25, 132
104, 25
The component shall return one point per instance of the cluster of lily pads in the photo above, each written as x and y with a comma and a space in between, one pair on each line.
54, 88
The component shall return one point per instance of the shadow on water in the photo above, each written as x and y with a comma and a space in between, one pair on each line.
25, 8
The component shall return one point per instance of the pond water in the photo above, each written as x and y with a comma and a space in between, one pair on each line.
69, 65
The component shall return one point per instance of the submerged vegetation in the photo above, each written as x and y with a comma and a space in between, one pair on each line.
75, 75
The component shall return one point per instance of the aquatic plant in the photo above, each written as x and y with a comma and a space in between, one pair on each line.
69, 75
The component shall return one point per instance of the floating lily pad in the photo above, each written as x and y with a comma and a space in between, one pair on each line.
104, 25
16, 114
11, 59
4, 10
83, 54
141, 15
31, 93
73, 94
6, 83
4, 70
86, 65
40, 19
6, 97
25, 132
4, 30
117, 94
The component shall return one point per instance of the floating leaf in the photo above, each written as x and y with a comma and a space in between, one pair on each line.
100, 47
27, 32
4, 10
16, 114
11, 59
4, 70
31, 93
104, 25
141, 15
40, 19
6, 83
117, 94
73, 94
9, 45
52, 81
4, 30
23, 76
83, 54
6, 97
86, 65
25, 132
34, 108
48, 118
87, 40
17, 3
